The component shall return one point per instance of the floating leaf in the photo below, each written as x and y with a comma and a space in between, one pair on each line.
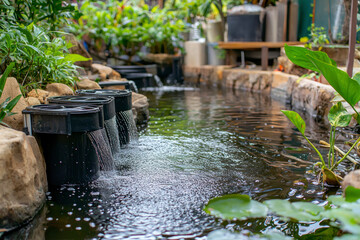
348, 237
295, 118
300, 211
227, 235
235, 206
352, 194
338, 116
349, 218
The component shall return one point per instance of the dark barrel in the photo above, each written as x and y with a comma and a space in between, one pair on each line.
62, 132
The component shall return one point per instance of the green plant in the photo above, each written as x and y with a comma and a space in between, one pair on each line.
39, 59
7, 106
348, 89
318, 38
341, 212
52, 14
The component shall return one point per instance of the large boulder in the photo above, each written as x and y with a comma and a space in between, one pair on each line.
140, 108
105, 72
78, 48
59, 89
351, 179
31, 101
87, 84
22, 177
12, 90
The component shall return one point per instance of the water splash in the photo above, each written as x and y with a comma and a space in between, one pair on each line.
100, 142
113, 135
158, 81
127, 127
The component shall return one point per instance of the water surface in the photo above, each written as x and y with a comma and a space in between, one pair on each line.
199, 144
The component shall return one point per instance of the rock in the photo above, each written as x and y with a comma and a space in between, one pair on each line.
22, 177
290, 67
78, 48
87, 84
59, 89
310, 96
31, 101
40, 94
351, 179
160, 58
251, 80
12, 90
105, 72
140, 106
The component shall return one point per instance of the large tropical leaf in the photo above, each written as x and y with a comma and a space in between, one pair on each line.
338, 116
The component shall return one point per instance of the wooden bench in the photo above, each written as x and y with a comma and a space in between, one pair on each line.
230, 48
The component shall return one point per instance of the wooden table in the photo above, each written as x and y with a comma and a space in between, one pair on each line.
230, 48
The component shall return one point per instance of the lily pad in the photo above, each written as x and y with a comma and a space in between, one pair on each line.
235, 206
298, 211
352, 194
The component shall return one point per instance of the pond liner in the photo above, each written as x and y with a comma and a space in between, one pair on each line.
63, 134
123, 107
107, 104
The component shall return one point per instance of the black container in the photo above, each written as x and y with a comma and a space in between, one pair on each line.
142, 80
62, 132
122, 97
245, 28
123, 104
130, 85
107, 103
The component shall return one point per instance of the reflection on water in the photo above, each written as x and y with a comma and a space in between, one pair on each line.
199, 144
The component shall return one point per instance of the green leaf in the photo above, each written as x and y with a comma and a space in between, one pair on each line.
298, 56
4, 76
235, 206
318, 61
13, 102
300, 211
348, 237
352, 194
338, 116
75, 58
227, 235
349, 219
295, 118
348, 88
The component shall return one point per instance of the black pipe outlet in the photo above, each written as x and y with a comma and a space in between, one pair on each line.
122, 97
107, 103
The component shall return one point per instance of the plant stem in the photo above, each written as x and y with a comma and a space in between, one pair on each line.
317, 151
330, 148
336, 164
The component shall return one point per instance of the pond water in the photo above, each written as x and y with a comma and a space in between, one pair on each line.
199, 144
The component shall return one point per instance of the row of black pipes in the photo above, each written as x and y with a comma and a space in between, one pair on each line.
82, 134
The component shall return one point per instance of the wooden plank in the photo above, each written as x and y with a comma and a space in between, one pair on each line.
254, 45
264, 58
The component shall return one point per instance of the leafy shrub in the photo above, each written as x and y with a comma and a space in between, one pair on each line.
50, 13
39, 59
123, 28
